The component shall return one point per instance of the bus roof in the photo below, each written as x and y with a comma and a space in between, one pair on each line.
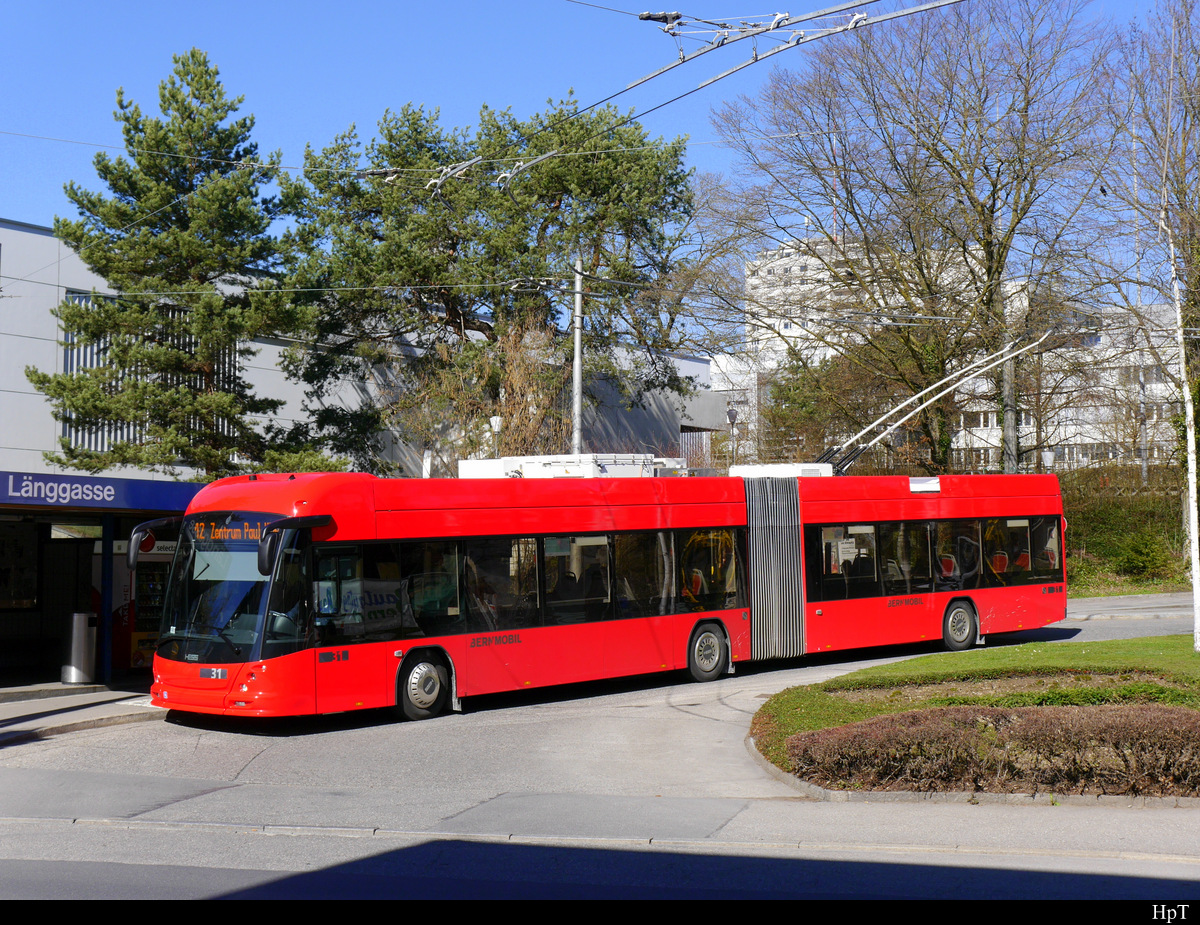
901, 487
365, 506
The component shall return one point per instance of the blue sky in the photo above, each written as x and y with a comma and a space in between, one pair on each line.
308, 70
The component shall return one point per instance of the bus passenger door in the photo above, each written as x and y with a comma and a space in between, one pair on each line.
505, 649
350, 670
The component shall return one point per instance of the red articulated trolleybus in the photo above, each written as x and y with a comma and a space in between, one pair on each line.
318, 593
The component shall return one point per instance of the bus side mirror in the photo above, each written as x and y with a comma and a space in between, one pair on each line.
143, 532
140, 532
268, 548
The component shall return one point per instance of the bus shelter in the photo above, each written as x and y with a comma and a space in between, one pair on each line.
62, 544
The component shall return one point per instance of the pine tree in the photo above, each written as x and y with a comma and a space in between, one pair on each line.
183, 237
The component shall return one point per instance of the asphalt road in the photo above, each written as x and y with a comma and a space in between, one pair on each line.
637, 787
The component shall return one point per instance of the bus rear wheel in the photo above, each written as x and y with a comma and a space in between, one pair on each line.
960, 628
707, 654
424, 687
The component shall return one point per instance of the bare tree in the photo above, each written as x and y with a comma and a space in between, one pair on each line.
929, 179
1156, 102
1155, 169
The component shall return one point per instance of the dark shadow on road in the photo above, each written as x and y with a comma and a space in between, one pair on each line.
473, 870
1057, 633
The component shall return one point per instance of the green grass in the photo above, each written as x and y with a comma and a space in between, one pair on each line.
1166, 659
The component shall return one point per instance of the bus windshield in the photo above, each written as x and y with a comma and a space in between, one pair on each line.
215, 594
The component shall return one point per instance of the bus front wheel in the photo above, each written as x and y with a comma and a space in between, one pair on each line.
960, 628
708, 653
424, 687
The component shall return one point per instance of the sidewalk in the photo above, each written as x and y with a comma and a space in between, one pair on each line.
37, 711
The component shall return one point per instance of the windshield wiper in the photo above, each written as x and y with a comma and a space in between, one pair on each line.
237, 650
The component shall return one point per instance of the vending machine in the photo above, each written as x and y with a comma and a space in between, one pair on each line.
137, 604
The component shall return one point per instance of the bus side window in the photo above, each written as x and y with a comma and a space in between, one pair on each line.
814, 564
501, 584
575, 572
642, 570
385, 602
429, 587
904, 554
337, 591
997, 552
1045, 549
860, 561
958, 559
833, 573
709, 569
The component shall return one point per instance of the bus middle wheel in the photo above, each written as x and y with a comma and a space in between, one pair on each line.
424, 687
960, 628
707, 653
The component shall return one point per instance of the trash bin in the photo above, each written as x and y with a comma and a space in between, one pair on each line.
79, 666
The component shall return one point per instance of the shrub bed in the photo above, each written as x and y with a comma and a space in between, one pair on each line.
1139, 749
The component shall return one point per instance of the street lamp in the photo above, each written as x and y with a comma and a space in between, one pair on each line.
732, 415
495, 421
